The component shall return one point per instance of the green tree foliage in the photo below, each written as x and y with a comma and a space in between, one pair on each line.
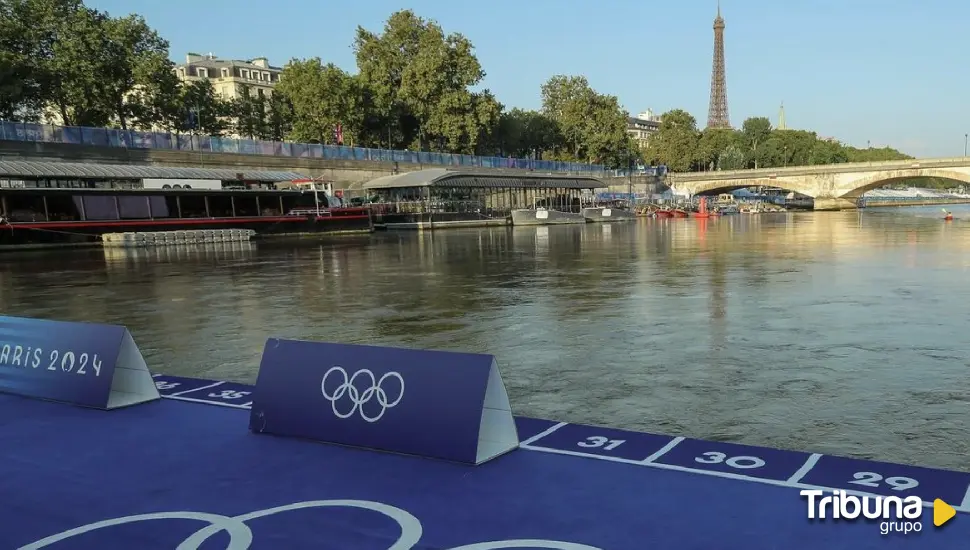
416, 87
279, 119
680, 146
249, 113
58, 57
592, 126
322, 96
677, 144
526, 134
754, 140
198, 100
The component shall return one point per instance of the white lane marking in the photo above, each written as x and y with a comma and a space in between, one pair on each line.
178, 393
543, 433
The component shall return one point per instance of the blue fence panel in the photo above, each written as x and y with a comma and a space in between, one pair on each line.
72, 136
141, 140
163, 140
246, 146
111, 137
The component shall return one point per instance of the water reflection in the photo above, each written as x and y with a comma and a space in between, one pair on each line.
827, 332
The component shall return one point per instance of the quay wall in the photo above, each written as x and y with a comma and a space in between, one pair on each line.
885, 203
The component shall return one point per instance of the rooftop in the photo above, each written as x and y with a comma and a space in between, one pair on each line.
443, 177
51, 169
211, 60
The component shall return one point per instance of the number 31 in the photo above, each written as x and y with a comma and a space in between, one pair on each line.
598, 441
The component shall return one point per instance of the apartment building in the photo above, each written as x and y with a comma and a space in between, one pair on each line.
642, 126
229, 76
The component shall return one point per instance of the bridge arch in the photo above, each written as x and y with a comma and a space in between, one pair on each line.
726, 186
856, 188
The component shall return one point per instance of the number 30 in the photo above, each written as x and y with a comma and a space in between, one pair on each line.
739, 462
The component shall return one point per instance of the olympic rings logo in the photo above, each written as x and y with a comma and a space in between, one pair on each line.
359, 397
241, 536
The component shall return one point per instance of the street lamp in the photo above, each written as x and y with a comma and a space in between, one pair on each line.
965, 144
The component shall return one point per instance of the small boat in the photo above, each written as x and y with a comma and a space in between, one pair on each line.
679, 213
663, 214
702, 209
947, 216
607, 214
544, 216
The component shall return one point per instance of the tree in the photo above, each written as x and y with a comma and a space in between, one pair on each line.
132, 55
790, 147
279, 118
677, 143
713, 144
21, 91
322, 98
874, 155
826, 151
756, 145
418, 79
74, 37
64, 61
755, 131
202, 110
592, 126
156, 101
732, 158
526, 134
248, 112
462, 122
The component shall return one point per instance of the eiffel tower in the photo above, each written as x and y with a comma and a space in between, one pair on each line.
717, 114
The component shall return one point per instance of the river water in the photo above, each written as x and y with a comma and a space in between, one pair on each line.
841, 333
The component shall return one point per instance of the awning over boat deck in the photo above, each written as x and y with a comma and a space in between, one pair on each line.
442, 177
52, 169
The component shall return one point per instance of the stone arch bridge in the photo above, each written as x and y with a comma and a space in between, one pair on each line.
833, 186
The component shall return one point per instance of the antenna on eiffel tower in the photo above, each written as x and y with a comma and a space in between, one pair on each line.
717, 114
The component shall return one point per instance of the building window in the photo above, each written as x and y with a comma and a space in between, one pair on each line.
225, 73
202, 72
244, 73
260, 92
266, 77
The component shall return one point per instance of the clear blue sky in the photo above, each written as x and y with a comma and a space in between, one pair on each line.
893, 72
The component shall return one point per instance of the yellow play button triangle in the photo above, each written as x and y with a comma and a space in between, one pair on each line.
942, 512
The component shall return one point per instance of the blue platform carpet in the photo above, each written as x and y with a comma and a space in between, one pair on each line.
177, 474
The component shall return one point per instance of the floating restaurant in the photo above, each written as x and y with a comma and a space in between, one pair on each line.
439, 197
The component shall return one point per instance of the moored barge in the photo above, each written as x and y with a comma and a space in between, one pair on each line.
53, 203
